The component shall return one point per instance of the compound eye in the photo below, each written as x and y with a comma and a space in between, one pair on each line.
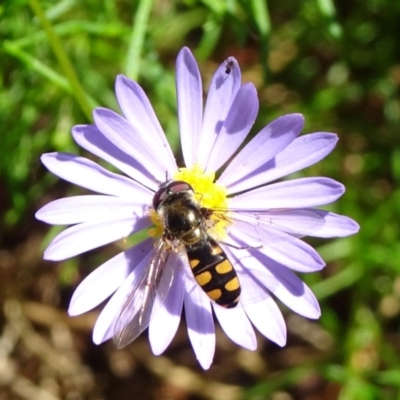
167, 189
161, 194
178, 186
159, 197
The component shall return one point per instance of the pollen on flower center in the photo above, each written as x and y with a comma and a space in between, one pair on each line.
158, 228
208, 193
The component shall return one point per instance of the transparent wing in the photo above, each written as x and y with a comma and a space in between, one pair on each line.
135, 314
296, 222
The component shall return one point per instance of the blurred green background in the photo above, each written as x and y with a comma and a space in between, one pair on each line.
337, 62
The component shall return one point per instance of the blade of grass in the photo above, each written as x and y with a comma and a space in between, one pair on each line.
261, 17
139, 29
105, 30
209, 40
345, 278
14, 50
63, 59
37, 66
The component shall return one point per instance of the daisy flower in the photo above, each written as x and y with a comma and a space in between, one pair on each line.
244, 213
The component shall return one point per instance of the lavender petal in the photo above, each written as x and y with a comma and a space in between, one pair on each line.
138, 111
200, 323
77, 209
127, 138
281, 282
167, 316
189, 92
237, 326
304, 151
335, 225
91, 139
237, 125
295, 193
86, 173
221, 94
90, 235
279, 246
255, 156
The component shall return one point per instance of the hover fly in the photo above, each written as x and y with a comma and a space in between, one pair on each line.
186, 229
186, 222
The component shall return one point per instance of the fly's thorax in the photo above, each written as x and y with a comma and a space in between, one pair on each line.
184, 208
180, 214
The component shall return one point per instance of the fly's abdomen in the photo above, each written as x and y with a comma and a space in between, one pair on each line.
214, 272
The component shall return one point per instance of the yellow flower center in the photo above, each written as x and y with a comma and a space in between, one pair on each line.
209, 195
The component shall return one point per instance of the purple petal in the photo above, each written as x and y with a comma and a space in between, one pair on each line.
293, 292
335, 225
238, 122
189, 94
164, 323
200, 323
77, 209
279, 246
237, 326
280, 281
86, 173
104, 327
92, 140
90, 235
222, 91
257, 302
267, 318
304, 151
106, 279
253, 158
138, 111
295, 193
124, 136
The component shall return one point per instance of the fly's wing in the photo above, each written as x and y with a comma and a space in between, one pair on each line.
296, 222
135, 314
